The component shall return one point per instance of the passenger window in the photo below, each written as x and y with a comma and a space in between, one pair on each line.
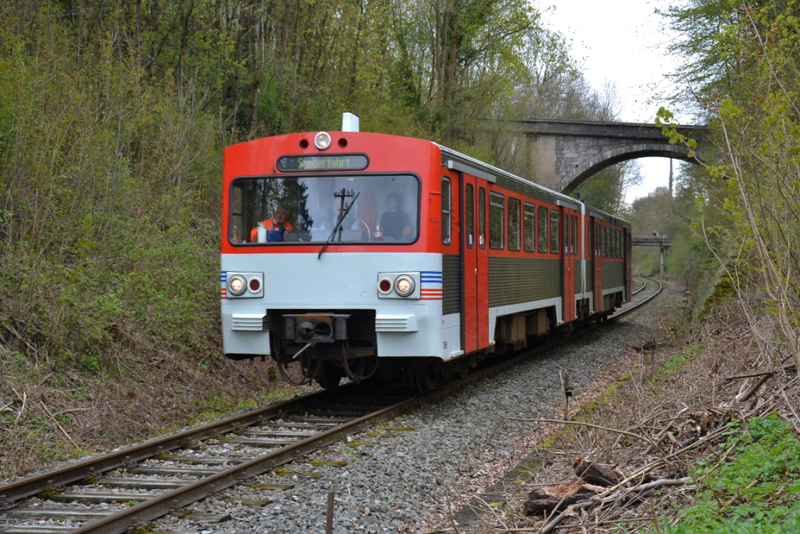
554, 222
529, 227
513, 223
496, 222
446, 215
542, 221
469, 201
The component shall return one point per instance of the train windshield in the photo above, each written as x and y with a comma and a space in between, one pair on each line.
317, 209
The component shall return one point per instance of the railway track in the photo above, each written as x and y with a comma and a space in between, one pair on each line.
127, 488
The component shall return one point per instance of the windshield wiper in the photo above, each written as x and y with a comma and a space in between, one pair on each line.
338, 224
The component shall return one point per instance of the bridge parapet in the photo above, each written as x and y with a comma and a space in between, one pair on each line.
650, 242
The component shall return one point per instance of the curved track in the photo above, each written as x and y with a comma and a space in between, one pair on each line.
121, 490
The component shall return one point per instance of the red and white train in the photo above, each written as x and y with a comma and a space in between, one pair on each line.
358, 254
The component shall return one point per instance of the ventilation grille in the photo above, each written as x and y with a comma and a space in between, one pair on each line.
251, 322
395, 323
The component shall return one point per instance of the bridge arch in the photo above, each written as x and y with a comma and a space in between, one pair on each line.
613, 155
565, 153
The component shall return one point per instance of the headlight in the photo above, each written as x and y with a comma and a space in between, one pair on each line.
237, 285
322, 140
404, 285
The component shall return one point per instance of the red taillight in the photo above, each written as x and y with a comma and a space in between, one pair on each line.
385, 286
255, 285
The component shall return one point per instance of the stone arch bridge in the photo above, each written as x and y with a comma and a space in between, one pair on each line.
567, 152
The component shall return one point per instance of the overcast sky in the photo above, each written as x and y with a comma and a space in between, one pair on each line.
622, 42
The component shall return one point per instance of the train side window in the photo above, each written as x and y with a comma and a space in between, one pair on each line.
469, 201
613, 251
529, 227
513, 223
605, 242
542, 229
600, 236
566, 233
446, 215
235, 232
616, 243
554, 222
482, 217
496, 222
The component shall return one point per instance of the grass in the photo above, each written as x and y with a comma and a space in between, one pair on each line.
757, 490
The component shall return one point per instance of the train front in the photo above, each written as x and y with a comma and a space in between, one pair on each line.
329, 263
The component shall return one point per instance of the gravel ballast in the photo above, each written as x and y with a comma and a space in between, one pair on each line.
417, 470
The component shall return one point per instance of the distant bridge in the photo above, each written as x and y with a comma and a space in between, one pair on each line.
565, 153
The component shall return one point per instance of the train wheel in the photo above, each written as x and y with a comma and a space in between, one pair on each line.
426, 376
357, 369
328, 375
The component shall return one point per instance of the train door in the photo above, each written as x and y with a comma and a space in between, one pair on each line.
475, 261
597, 246
568, 251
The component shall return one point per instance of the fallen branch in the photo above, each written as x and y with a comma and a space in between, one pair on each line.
742, 397
599, 500
61, 428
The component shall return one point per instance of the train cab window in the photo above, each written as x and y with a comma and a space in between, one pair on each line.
529, 227
542, 228
482, 217
342, 209
513, 224
446, 214
236, 224
469, 208
554, 222
496, 222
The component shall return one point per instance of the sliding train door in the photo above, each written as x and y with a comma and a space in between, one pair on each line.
475, 261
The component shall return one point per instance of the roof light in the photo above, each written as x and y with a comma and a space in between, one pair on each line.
322, 140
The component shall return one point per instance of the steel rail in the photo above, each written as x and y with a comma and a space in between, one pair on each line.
623, 313
185, 495
127, 456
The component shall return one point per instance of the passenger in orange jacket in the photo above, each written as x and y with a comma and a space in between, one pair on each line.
277, 222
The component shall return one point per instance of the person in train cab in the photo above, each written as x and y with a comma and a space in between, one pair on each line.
395, 222
274, 226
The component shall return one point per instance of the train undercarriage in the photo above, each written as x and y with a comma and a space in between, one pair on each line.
328, 346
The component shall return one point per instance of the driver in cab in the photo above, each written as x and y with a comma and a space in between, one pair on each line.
274, 226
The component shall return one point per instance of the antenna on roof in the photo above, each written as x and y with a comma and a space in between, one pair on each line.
349, 122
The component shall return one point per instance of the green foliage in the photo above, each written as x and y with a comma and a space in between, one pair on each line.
757, 491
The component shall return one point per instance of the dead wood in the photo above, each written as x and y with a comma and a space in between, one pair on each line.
594, 473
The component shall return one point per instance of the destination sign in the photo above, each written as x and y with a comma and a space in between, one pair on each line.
327, 162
